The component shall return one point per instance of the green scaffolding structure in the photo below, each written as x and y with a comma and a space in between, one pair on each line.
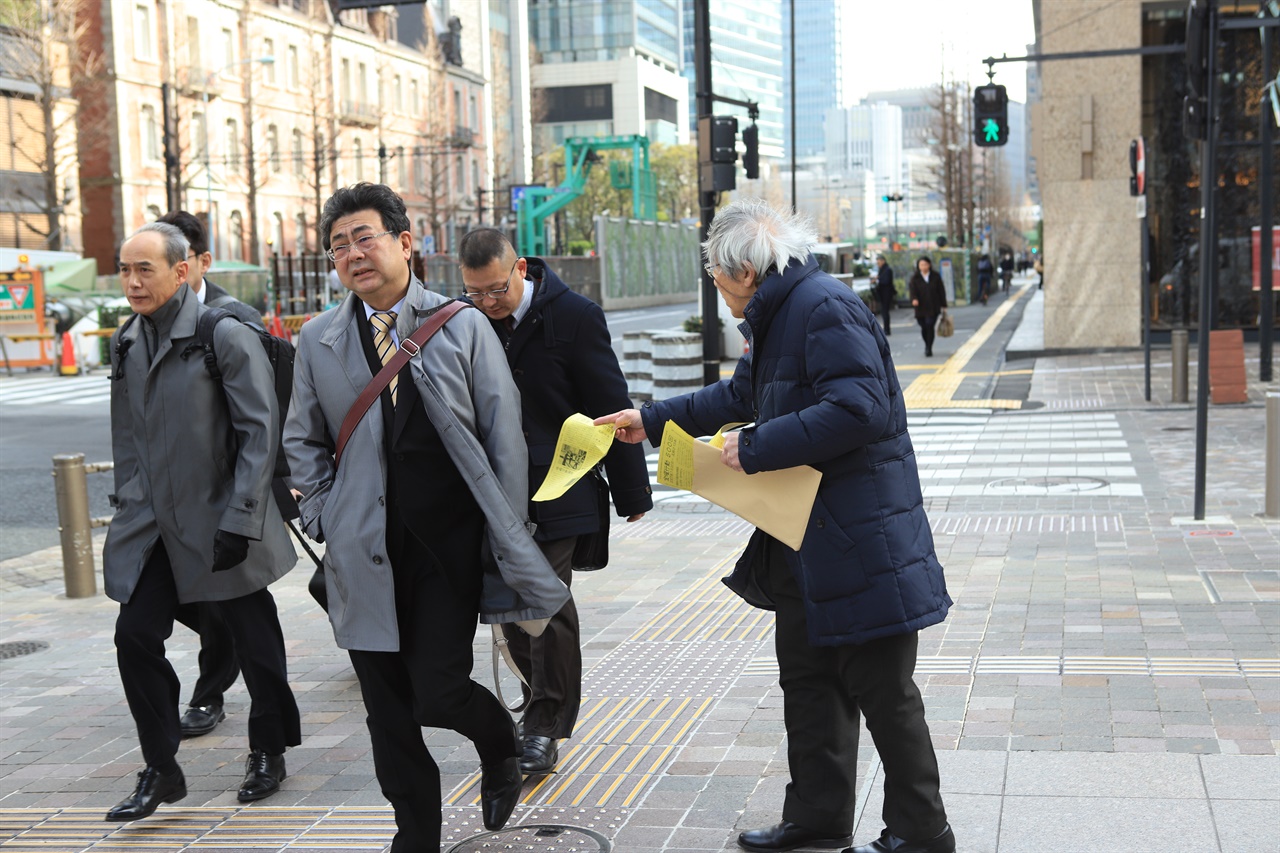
580, 154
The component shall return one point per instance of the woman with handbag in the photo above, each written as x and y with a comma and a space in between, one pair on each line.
928, 297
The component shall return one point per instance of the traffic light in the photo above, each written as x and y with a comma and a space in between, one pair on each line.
1199, 41
990, 116
751, 152
717, 152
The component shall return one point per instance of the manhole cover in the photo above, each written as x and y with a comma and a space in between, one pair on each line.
20, 648
536, 837
1045, 485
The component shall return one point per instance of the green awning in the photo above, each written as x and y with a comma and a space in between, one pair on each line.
71, 277
235, 266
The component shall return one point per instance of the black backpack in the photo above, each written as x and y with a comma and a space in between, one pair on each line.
280, 353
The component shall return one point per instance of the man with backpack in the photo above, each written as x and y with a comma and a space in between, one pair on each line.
217, 661
195, 517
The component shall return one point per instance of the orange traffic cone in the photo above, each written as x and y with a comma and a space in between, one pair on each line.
69, 365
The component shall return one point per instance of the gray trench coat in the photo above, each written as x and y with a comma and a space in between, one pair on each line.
463, 381
191, 460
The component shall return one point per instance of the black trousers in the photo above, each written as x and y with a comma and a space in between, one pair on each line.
824, 688
552, 663
886, 308
151, 685
927, 326
427, 684
218, 665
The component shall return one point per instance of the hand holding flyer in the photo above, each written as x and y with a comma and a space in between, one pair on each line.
580, 448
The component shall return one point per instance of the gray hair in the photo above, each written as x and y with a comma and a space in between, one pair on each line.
176, 246
749, 231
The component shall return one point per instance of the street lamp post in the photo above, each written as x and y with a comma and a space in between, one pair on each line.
208, 173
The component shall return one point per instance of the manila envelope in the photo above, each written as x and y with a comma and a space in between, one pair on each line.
778, 502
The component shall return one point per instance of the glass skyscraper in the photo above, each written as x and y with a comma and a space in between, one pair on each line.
601, 30
746, 63
819, 70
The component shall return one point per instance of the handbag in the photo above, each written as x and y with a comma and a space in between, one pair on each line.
946, 326
591, 552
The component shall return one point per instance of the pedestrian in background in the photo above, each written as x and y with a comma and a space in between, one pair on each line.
928, 297
1006, 271
985, 270
821, 389
562, 360
195, 518
435, 476
886, 293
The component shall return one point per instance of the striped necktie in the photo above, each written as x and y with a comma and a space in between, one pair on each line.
383, 322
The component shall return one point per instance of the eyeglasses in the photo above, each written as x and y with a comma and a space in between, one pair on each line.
711, 269
493, 294
363, 244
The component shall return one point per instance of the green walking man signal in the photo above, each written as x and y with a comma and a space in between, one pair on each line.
990, 116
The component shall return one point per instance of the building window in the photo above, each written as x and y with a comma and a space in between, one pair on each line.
228, 47
300, 233
579, 103
362, 83
293, 69
143, 37
460, 175
346, 83
198, 135
473, 119
415, 106
277, 232
399, 94
299, 163
233, 145
150, 133
659, 107
273, 147
402, 170
193, 46
269, 68
475, 177
358, 150
457, 108
235, 235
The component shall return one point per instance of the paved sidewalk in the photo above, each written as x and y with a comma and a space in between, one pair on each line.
1109, 677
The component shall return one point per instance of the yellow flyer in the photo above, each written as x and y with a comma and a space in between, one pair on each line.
580, 448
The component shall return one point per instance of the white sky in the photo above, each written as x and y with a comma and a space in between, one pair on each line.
902, 44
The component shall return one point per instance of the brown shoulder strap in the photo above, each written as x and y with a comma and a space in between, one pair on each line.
408, 349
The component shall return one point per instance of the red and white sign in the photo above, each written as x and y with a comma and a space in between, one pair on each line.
1275, 257
1140, 171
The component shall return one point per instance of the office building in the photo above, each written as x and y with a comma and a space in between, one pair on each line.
819, 72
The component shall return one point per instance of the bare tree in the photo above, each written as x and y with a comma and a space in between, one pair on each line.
45, 44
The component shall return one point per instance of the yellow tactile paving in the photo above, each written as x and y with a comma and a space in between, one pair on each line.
936, 390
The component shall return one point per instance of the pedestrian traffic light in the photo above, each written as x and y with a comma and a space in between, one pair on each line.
990, 116
751, 151
1137, 167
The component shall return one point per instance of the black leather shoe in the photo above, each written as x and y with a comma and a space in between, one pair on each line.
944, 842
499, 791
540, 755
200, 720
262, 776
789, 836
153, 789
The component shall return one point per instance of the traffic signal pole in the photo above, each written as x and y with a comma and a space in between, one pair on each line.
1266, 208
1208, 254
706, 194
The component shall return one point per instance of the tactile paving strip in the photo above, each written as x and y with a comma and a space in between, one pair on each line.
1081, 665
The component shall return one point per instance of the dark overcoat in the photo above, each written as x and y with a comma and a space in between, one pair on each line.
563, 363
821, 388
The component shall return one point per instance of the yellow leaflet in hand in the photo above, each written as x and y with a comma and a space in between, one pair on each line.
675, 458
580, 448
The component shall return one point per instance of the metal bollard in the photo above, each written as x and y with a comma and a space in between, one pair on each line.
73, 524
1179, 339
1271, 506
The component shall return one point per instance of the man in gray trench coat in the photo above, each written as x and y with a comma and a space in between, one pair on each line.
434, 475
195, 519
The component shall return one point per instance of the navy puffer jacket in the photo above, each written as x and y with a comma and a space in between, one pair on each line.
821, 389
